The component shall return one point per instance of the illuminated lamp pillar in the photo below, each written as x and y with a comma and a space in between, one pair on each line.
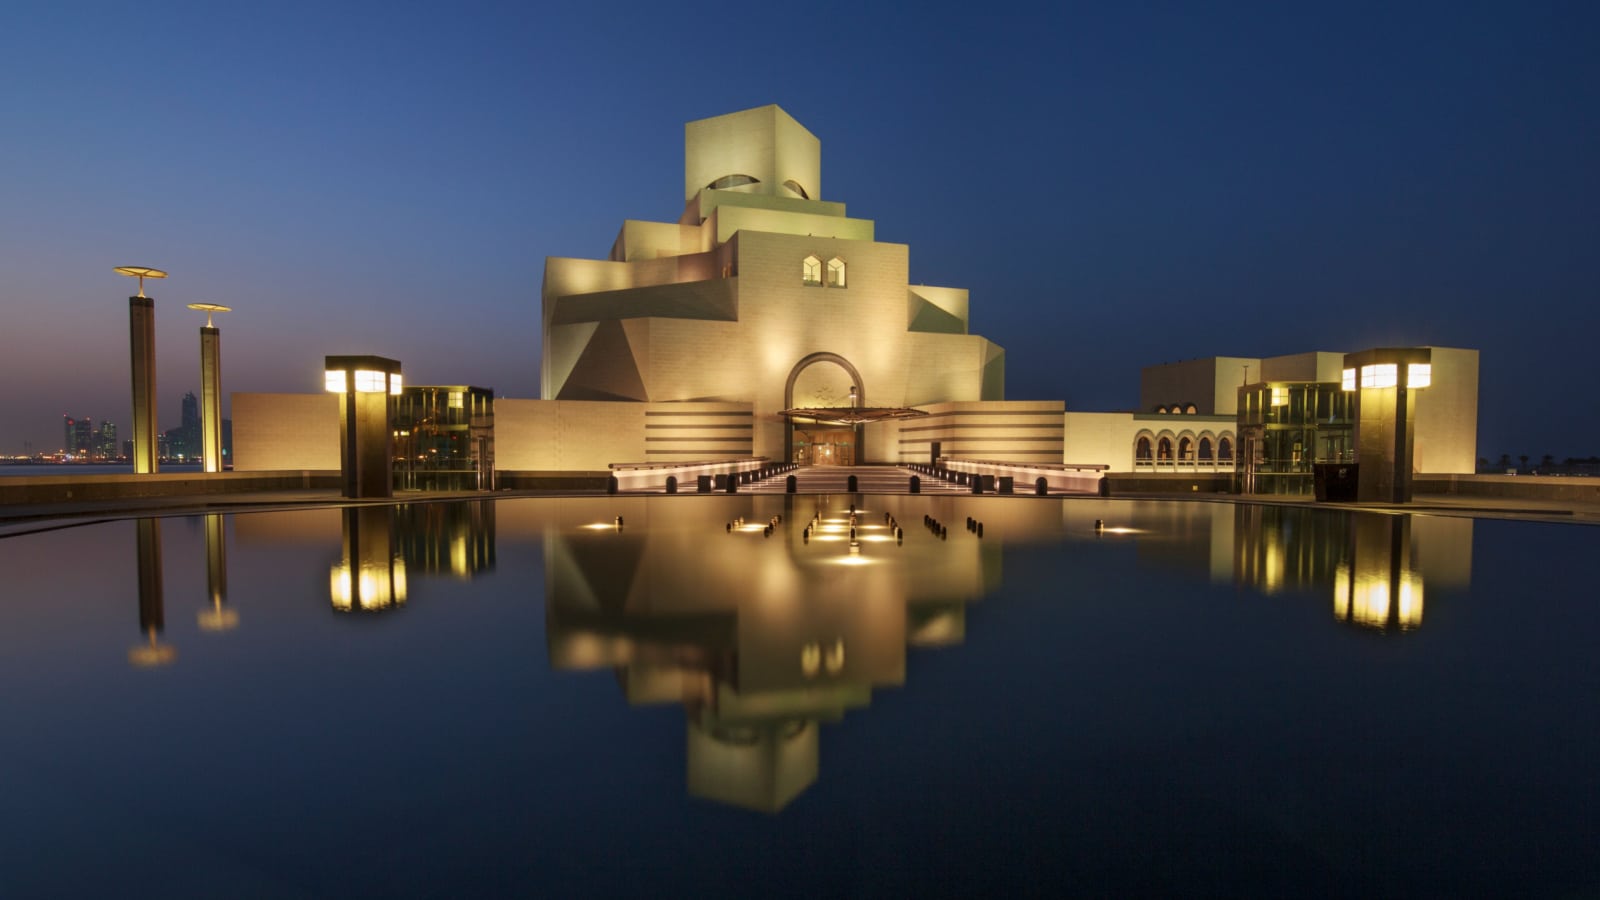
366, 428
142, 353
210, 389
1383, 381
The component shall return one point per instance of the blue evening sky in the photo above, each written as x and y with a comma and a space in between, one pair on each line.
1118, 184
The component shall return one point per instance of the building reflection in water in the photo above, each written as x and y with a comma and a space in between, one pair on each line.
1377, 585
371, 574
1282, 548
217, 616
1376, 564
385, 547
447, 538
759, 637
152, 613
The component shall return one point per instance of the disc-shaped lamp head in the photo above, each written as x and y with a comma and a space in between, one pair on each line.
209, 308
141, 273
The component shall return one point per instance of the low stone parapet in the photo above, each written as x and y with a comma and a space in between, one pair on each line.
1120, 484
1063, 478
29, 489
1513, 487
652, 477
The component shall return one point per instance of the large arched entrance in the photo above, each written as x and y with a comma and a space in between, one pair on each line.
821, 381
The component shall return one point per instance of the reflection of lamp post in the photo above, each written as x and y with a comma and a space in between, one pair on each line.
142, 354
210, 389
218, 617
1377, 586
366, 436
152, 618
371, 576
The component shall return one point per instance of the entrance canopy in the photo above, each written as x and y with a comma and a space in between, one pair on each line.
850, 415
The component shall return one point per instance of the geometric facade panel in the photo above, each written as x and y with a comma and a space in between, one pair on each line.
606, 369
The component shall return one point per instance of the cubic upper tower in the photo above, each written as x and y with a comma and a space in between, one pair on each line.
761, 293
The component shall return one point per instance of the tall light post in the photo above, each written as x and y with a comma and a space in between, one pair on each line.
366, 417
210, 388
1384, 382
142, 353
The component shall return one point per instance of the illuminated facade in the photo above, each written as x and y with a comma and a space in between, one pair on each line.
1270, 420
763, 297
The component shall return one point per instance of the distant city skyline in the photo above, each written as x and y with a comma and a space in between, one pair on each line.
1118, 187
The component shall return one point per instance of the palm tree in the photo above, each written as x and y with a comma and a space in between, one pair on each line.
1524, 458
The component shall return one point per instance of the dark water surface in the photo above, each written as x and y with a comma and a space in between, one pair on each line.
517, 697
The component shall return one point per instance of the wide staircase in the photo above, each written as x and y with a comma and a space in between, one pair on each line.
836, 480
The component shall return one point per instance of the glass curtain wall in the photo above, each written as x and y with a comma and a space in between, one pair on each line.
444, 439
1285, 429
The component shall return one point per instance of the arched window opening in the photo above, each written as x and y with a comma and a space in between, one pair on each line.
1205, 449
1141, 450
1191, 409
1225, 449
811, 271
732, 181
1185, 448
836, 272
793, 185
1161, 410
1164, 448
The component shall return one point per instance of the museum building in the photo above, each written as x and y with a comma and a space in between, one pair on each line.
767, 323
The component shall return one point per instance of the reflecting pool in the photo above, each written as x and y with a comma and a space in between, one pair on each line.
799, 695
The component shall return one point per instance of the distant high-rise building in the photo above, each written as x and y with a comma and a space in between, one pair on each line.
183, 442
78, 436
105, 440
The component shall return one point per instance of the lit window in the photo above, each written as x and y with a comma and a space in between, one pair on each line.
732, 181
1191, 409
1161, 410
1280, 396
836, 272
811, 271
333, 380
1349, 382
1383, 375
793, 185
1419, 375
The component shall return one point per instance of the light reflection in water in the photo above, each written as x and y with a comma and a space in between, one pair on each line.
152, 602
217, 617
383, 547
1376, 586
758, 637
371, 575
1375, 565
